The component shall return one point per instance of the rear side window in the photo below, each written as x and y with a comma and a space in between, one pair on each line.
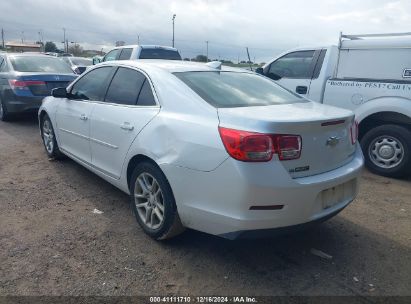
112, 55
159, 53
236, 89
93, 85
125, 87
125, 54
146, 97
293, 65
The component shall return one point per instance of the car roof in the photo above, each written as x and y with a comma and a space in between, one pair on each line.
170, 66
27, 54
146, 46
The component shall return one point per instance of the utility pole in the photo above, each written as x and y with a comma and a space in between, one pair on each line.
41, 40
64, 40
138, 39
2, 38
22, 37
174, 17
207, 50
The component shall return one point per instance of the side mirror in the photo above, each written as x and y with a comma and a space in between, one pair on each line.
274, 76
259, 71
59, 93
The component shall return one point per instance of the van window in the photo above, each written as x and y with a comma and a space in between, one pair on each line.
159, 53
293, 65
112, 55
125, 54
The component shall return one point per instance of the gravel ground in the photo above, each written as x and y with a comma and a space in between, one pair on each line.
51, 243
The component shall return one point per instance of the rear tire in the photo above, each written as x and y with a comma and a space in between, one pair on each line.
153, 202
4, 115
387, 150
49, 139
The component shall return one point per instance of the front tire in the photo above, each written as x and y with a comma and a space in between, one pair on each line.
387, 150
49, 139
153, 202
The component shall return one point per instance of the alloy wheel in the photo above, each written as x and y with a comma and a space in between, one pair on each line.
48, 136
149, 200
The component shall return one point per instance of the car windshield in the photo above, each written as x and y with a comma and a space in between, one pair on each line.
158, 53
237, 89
81, 61
39, 64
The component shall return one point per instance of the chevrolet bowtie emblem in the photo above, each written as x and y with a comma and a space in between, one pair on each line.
332, 141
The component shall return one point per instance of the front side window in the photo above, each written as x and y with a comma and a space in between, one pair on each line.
125, 87
125, 54
293, 65
40, 64
112, 55
93, 85
237, 89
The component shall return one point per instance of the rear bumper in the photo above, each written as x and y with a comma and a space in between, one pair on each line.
218, 202
267, 233
23, 104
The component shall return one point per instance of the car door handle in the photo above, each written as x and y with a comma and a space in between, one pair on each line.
83, 117
301, 89
127, 126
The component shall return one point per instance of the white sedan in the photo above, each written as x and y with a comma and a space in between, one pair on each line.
216, 149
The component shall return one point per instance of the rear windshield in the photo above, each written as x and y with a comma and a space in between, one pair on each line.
39, 64
81, 61
157, 53
236, 89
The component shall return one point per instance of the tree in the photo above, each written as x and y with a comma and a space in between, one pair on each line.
201, 58
76, 50
50, 47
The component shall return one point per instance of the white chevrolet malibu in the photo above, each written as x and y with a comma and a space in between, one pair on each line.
216, 149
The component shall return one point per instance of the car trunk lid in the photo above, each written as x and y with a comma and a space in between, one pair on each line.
42, 84
324, 131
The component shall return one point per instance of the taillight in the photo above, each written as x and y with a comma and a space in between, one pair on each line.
354, 131
288, 146
24, 85
257, 147
247, 146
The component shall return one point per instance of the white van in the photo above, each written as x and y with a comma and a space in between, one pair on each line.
134, 52
369, 74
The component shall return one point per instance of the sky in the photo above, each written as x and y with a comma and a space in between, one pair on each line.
266, 27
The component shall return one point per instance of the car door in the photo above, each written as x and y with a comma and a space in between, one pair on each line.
128, 106
73, 113
294, 70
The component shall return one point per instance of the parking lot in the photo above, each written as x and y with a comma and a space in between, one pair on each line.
52, 243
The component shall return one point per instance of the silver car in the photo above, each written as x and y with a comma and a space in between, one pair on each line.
220, 150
